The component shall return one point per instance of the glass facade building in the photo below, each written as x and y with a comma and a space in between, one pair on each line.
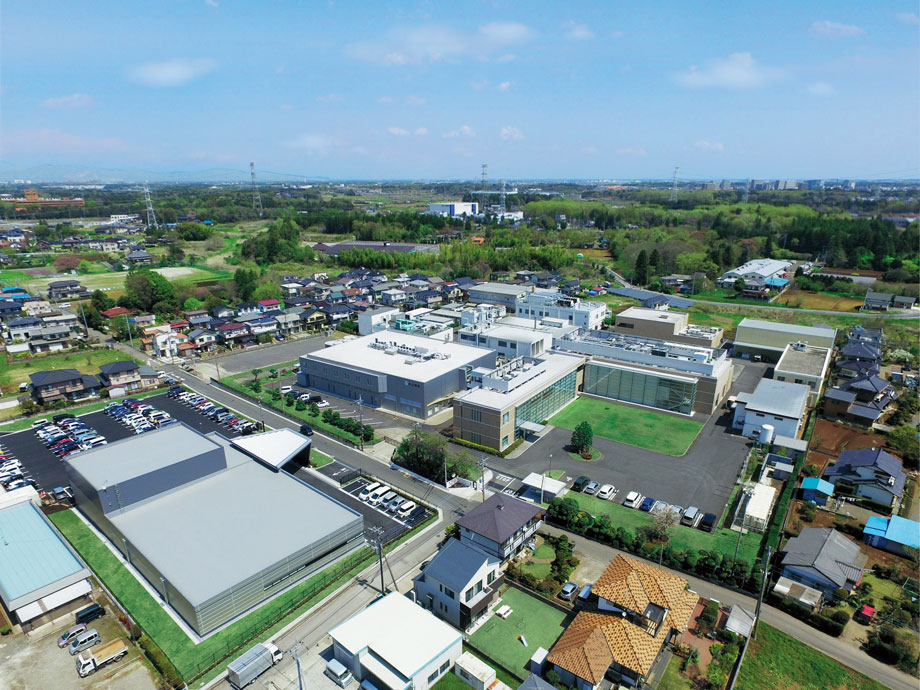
546, 403
672, 393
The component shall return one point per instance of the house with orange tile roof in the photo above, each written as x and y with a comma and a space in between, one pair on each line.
639, 609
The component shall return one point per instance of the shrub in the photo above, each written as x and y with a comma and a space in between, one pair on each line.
841, 617
5, 630
710, 614
159, 660
552, 677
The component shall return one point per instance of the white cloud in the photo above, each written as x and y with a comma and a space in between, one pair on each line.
821, 88
710, 146
316, 143
421, 131
385, 99
737, 71
461, 131
436, 43
908, 18
572, 31
212, 3
415, 100
632, 151
507, 57
173, 72
511, 133
398, 131
74, 100
330, 98
836, 30
504, 86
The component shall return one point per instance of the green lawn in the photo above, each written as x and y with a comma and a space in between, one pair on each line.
86, 361
544, 551
538, 570
882, 588
554, 474
319, 459
722, 540
116, 279
672, 680
662, 433
540, 623
776, 660
189, 658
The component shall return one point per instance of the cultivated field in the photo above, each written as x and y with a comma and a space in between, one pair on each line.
819, 300
116, 279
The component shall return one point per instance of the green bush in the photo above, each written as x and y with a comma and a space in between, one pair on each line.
5, 630
841, 617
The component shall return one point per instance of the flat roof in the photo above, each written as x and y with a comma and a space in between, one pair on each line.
538, 481
524, 335
272, 448
556, 365
760, 502
358, 354
421, 636
208, 535
653, 315
506, 289
810, 361
33, 556
790, 328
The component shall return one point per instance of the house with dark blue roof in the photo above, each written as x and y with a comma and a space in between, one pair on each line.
459, 584
869, 473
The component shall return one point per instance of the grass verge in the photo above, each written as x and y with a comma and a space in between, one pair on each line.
776, 660
319, 459
656, 431
672, 680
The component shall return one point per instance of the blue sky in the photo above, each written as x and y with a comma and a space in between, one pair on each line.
435, 89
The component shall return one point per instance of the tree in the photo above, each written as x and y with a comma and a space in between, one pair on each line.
267, 291
582, 437
192, 304
255, 374
245, 280
664, 521
768, 246
903, 440
739, 285
564, 511
655, 258
640, 275
145, 288
84, 267
101, 301
93, 317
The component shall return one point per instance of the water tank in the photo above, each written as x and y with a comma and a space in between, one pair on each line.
766, 433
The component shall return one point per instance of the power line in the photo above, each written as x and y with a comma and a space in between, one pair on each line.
672, 197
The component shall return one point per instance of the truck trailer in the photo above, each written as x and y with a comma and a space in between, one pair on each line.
89, 661
252, 664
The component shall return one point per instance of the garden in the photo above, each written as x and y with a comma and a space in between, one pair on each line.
548, 566
634, 426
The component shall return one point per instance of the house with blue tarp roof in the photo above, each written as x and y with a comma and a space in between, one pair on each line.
816, 490
894, 534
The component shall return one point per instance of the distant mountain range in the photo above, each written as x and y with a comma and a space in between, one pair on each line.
46, 174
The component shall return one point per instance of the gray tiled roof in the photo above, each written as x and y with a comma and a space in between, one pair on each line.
827, 551
456, 564
499, 517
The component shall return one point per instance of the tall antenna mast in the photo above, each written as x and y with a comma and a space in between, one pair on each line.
151, 215
256, 197
501, 206
673, 196
745, 192
485, 175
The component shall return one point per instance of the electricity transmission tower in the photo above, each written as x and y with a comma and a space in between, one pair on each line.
501, 204
256, 197
151, 215
673, 196
485, 175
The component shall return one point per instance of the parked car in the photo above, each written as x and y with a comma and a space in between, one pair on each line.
592, 488
581, 483
322, 404
692, 517
306, 429
569, 590
647, 504
708, 523
633, 498
606, 492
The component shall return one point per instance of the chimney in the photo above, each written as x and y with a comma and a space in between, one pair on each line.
501, 506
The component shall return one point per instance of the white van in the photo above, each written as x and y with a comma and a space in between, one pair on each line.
340, 675
378, 495
368, 490
403, 512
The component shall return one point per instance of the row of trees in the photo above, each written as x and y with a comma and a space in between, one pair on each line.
426, 455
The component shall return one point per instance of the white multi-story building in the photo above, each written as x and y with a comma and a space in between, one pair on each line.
553, 304
454, 208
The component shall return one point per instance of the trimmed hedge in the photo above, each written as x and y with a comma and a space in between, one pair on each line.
803, 613
160, 662
486, 449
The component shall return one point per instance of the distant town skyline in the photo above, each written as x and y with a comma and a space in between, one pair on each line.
417, 91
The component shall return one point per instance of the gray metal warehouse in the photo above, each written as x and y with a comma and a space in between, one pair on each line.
213, 526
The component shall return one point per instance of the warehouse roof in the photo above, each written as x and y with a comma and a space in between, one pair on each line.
793, 330
33, 556
421, 636
504, 289
273, 448
778, 398
433, 358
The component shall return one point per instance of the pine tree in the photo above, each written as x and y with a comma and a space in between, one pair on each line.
640, 275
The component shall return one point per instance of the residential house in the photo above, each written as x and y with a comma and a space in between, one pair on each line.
816, 490
37, 307
459, 584
144, 320
61, 319
232, 333
501, 526
640, 609
127, 375
62, 384
23, 328
393, 297
334, 313
266, 305
51, 339
288, 323
291, 302
139, 257
425, 298
115, 312
776, 404
10, 309
204, 339
758, 269
864, 400
223, 312
313, 320
895, 534
883, 301
851, 368
163, 341
248, 308
869, 473
822, 558
66, 289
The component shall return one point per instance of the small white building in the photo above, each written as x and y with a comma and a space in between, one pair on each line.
376, 319
397, 645
453, 209
775, 407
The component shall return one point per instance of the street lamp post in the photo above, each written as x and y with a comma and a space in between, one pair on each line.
261, 414
360, 402
482, 476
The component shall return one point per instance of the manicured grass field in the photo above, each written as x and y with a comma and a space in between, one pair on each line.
544, 551
187, 657
672, 680
882, 588
85, 361
540, 623
116, 279
319, 459
776, 660
538, 570
682, 537
662, 433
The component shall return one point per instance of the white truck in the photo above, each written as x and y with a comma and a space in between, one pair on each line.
252, 664
91, 660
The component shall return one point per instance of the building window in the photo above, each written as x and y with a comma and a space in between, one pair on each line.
798, 380
778, 419
506, 417
490, 578
476, 438
476, 415
433, 677
448, 592
504, 441
445, 666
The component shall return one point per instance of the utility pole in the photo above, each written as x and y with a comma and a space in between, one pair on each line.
296, 651
360, 402
261, 414
482, 476
763, 584
377, 542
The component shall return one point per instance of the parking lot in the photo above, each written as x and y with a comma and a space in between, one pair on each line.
368, 415
47, 470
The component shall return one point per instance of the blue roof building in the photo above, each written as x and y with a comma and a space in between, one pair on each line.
39, 572
816, 490
894, 534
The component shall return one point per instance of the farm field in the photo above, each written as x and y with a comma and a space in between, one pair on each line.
656, 431
85, 361
114, 280
819, 300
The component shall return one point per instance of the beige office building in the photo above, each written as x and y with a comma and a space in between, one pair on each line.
666, 325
